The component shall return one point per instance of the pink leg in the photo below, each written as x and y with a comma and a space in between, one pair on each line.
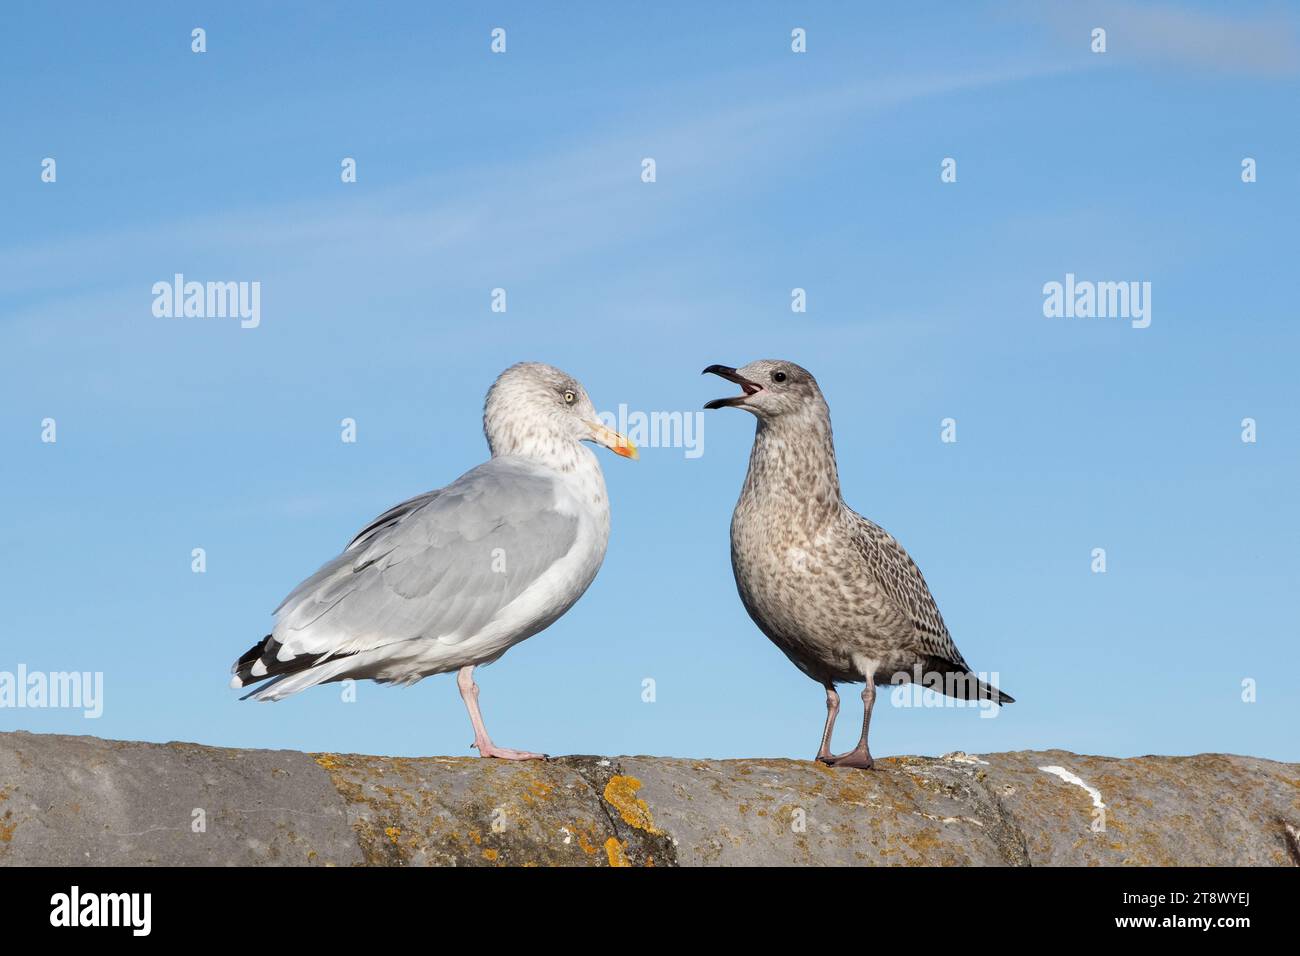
832, 709
469, 694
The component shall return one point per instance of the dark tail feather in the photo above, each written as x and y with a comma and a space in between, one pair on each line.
259, 663
960, 683
262, 652
989, 692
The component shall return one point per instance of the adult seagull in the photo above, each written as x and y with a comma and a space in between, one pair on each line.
454, 578
832, 589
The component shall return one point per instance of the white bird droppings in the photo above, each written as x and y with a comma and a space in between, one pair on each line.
1074, 778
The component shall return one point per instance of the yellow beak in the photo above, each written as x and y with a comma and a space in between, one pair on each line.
618, 444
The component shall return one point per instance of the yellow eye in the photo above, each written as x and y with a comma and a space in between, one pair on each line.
570, 398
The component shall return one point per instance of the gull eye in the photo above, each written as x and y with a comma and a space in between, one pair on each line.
778, 376
570, 398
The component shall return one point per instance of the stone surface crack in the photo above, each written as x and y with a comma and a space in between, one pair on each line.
1004, 827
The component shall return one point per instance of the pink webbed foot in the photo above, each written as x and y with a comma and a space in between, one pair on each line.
484, 744
505, 753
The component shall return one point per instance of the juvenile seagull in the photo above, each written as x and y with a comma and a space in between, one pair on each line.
456, 577
830, 588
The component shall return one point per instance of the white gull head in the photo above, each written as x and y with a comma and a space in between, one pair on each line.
537, 411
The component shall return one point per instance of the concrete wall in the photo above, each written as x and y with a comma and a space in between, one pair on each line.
82, 800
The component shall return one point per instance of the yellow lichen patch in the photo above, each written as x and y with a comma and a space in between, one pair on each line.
614, 850
328, 761
621, 792
7, 829
490, 855
583, 841
393, 833
540, 789
924, 840
535, 791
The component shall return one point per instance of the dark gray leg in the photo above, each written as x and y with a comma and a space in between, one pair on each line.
860, 756
832, 709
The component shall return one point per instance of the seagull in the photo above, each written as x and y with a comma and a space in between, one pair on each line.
830, 588
454, 578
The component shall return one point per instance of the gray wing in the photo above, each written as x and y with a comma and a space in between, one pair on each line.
440, 565
902, 581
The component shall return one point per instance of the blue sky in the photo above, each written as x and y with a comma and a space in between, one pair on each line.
775, 170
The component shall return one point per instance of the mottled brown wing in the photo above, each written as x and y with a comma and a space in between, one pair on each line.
904, 584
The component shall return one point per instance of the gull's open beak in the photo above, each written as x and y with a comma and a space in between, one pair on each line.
618, 444
731, 375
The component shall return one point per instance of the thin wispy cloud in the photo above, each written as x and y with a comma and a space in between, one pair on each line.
526, 216
1226, 38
